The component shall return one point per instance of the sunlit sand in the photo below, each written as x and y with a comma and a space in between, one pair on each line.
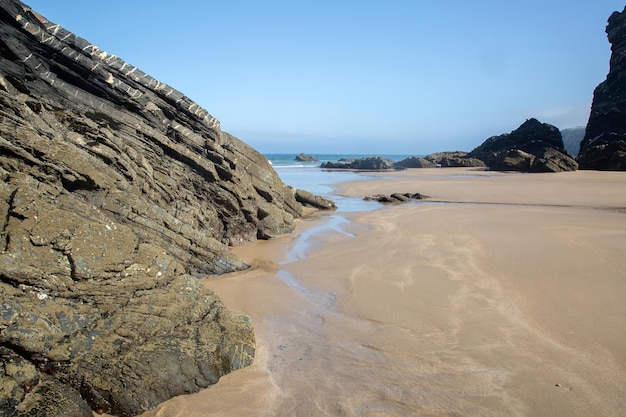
501, 295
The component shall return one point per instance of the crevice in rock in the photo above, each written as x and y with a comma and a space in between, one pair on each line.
8, 149
103, 120
223, 173
174, 154
265, 194
32, 357
73, 183
73, 270
4, 237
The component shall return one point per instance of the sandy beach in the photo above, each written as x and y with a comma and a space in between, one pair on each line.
501, 295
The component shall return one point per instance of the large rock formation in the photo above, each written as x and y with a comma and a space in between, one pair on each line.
117, 192
371, 163
440, 160
414, 162
546, 160
454, 159
604, 145
517, 150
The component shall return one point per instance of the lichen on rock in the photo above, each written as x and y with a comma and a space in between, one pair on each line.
117, 193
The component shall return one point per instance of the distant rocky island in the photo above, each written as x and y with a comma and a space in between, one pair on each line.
302, 157
118, 192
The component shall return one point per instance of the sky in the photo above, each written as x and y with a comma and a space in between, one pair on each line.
367, 76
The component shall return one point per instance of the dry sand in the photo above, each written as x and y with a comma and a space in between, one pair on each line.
508, 298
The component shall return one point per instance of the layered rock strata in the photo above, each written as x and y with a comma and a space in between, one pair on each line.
396, 197
604, 145
117, 192
454, 159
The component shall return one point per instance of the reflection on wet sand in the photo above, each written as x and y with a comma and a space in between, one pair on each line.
438, 309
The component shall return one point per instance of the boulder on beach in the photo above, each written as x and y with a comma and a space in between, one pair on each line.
512, 160
396, 197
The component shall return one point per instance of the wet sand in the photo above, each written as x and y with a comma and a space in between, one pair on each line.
503, 294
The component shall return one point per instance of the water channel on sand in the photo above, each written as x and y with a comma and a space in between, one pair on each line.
437, 309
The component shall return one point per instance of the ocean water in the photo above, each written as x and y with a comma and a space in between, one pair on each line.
310, 177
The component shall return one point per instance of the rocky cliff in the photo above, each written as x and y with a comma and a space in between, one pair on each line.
117, 193
604, 145
532, 147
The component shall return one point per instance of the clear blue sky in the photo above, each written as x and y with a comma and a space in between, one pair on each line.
384, 76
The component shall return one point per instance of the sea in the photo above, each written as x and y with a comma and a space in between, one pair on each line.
309, 176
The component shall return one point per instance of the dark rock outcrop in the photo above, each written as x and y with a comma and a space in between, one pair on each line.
454, 159
373, 163
336, 165
414, 162
551, 160
396, 197
530, 137
117, 192
308, 199
604, 145
516, 151
546, 160
512, 160
301, 157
